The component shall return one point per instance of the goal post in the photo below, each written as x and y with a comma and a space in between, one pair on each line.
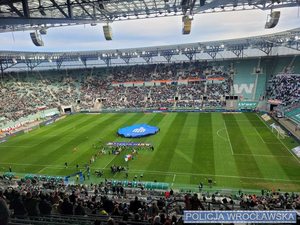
280, 133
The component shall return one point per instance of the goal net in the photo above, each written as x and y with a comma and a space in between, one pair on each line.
280, 133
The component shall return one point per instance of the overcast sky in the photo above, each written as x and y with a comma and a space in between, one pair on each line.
153, 32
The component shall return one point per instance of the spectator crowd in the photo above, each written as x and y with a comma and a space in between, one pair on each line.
105, 203
87, 89
286, 88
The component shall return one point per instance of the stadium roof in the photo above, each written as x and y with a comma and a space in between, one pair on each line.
19, 15
266, 45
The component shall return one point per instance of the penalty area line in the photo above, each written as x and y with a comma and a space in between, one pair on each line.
174, 177
218, 133
279, 139
232, 153
259, 136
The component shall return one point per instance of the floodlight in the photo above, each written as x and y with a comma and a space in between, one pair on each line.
273, 19
36, 39
107, 32
187, 24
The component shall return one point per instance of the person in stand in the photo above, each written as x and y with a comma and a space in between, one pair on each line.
4, 211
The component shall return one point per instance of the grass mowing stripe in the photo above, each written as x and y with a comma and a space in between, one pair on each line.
14, 156
223, 158
55, 126
144, 159
227, 173
203, 147
169, 143
246, 165
80, 137
288, 165
183, 157
119, 159
94, 134
32, 136
156, 119
108, 128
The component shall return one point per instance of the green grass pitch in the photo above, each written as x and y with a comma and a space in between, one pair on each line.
235, 150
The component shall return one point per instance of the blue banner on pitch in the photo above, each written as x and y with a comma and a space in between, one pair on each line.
240, 217
137, 131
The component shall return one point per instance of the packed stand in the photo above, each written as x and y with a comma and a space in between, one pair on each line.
98, 88
105, 202
286, 88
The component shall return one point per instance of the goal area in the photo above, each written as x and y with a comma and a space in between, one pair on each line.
280, 133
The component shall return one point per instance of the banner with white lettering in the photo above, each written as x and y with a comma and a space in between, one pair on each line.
240, 217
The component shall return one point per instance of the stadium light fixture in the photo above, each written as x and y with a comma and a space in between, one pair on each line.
272, 20
36, 39
187, 24
107, 32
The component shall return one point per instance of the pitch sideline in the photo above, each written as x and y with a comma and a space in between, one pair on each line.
166, 173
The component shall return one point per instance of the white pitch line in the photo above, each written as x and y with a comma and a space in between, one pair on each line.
109, 162
228, 139
30, 164
246, 120
279, 140
221, 135
17, 146
41, 170
257, 155
208, 175
169, 173
259, 135
174, 177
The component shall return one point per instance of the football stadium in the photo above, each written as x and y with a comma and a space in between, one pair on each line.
153, 133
